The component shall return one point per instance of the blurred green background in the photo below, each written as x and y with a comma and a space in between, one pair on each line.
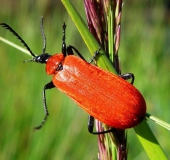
144, 51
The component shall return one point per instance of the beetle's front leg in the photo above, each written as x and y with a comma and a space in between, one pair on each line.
47, 86
70, 51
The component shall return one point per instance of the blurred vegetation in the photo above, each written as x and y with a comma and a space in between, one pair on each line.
144, 51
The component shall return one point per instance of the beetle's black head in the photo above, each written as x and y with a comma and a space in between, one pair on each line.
42, 58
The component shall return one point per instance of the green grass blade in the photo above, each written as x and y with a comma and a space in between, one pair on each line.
149, 142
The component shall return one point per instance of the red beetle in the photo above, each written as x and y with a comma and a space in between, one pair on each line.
104, 95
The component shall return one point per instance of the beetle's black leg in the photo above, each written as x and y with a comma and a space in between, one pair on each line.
91, 126
95, 55
47, 86
70, 51
127, 76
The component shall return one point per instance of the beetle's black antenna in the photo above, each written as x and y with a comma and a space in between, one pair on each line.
63, 40
43, 35
16, 34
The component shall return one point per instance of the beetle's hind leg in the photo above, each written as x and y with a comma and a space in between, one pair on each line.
127, 76
91, 126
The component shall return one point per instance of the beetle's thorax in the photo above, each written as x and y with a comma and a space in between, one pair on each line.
54, 63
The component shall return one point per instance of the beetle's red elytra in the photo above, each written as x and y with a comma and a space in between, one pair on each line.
103, 95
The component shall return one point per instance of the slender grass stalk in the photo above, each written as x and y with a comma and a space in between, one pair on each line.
15, 46
158, 121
